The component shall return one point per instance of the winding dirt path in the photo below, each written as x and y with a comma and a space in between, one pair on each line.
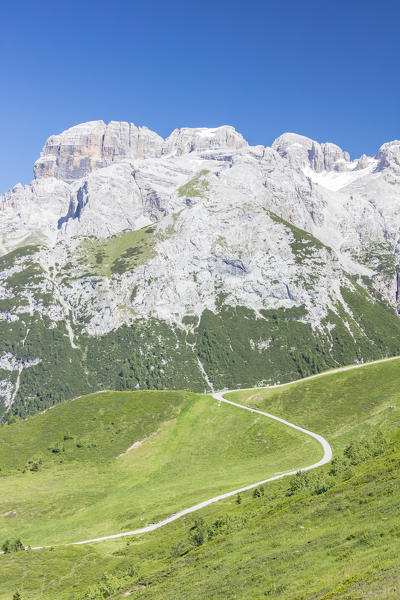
327, 456
219, 396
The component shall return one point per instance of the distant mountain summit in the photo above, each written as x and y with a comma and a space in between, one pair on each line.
197, 261
82, 149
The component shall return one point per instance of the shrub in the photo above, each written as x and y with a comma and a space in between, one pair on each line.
317, 483
56, 448
298, 483
339, 465
361, 450
320, 484
109, 584
33, 464
199, 532
221, 526
258, 492
12, 546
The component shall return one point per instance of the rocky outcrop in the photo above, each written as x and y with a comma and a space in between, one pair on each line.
301, 151
363, 162
388, 157
97, 181
84, 148
186, 140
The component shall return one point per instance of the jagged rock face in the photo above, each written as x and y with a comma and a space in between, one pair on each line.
97, 179
80, 150
106, 202
84, 148
186, 140
301, 151
389, 157
124, 226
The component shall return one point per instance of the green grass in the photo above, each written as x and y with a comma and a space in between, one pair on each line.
119, 253
339, 406
341, 543
198, 186
199, 450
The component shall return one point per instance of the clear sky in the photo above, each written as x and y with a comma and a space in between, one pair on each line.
326, 69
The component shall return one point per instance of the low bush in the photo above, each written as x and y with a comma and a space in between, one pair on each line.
199, 532
360, 450
316, 483
12, 546
109, 585
56, 448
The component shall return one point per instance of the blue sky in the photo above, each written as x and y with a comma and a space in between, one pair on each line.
328, 70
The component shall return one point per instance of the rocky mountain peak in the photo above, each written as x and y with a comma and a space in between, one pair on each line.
388, 156
126, 242
187, 139
84, 148
78, 151
302, 152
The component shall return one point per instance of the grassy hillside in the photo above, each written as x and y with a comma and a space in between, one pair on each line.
333, 534
339, 406
340, 544
66, 477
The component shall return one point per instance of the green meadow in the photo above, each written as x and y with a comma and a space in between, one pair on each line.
331, 534
340, 406
68, 474
119, 253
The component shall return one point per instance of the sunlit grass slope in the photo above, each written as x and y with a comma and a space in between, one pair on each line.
339, 406
341, 543
67, 476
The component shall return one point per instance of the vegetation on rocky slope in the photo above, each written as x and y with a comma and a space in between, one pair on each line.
236, 347
52, 357
118, 253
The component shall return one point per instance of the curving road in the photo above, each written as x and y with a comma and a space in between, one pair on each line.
323, 374
327, 456
218, 396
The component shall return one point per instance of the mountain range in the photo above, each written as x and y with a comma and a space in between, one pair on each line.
193, 262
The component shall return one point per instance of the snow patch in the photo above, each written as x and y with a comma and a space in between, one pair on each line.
336, 180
